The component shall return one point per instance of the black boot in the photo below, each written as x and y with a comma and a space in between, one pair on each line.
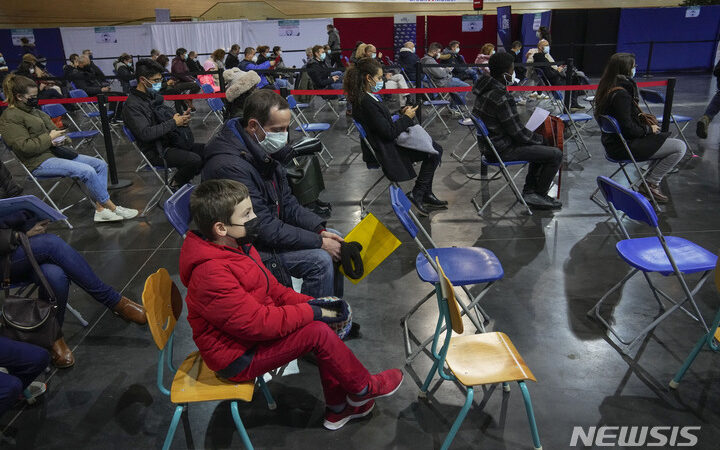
418, 204
431, 201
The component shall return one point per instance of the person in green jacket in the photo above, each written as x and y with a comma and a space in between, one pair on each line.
32, 137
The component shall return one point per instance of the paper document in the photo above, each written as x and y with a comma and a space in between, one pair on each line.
537, 119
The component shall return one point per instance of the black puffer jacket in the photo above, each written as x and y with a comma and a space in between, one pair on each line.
139, 116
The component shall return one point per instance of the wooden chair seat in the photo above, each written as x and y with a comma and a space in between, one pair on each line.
486, 358
195, 382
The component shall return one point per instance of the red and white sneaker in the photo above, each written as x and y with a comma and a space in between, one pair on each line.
384, 384
335, 421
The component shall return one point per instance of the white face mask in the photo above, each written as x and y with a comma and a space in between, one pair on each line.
254, 58
273, 142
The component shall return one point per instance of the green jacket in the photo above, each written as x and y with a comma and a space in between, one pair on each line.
27, 132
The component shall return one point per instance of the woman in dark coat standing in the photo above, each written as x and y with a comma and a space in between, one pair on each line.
361, 81
617, 96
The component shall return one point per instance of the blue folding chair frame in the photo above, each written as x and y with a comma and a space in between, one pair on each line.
85, 137
164, 179
650, 96
365, 206
306, 127
646, 255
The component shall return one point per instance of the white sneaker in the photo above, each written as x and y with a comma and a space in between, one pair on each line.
34, 390
544, 97
533, 95
521, 101
107, 216
125, 213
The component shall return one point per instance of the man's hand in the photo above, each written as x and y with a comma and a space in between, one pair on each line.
444, 56
105, 89
655, 129
410, 111
331, 246
171, 82
181, 120
329, 235
38, 228
272, 63
335, 77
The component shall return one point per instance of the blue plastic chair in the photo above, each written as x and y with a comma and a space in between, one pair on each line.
483, 137
465, 266
91, 112
364, 207
662, 255
85, 137
609, 125
711, 339
657, 98
467, 358
307, 127
216, 104
177, 209
164, 178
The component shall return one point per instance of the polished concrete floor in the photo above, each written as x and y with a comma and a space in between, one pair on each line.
557, 265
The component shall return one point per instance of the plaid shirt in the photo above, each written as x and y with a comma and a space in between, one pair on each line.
496, 107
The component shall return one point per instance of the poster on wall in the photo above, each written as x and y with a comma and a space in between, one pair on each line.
504, 15
472, 24
693, 11
19, 33
105, 35
405, 30
537, 21
288, 28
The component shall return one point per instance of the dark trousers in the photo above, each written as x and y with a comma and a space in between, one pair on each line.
60, 264
335, 58
180, 88
544, 162
24, 362
188, 162
714, 106
424, 180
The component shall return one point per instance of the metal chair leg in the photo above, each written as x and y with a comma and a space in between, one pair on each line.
461, 416
240, 427
266, 392
530, 415
77, 314
688, 362
173, 426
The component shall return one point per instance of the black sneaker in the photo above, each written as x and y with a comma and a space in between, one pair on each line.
537, 202
702, 127
557, 204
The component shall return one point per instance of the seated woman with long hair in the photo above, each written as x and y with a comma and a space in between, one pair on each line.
361, 81
617, 96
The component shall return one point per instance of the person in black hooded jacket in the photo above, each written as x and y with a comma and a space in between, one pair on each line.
161, 135
617, 96
293, 241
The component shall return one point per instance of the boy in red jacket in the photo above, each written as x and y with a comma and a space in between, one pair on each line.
245, 323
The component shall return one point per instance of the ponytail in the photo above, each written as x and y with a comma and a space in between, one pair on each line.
354, 82
14, 84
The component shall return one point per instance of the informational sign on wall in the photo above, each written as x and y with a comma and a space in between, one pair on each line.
472, 23
288, 28
537, 21
504, 14
19, 33
692, 11
105, 35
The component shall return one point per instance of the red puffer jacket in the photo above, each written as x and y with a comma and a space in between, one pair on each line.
234, 302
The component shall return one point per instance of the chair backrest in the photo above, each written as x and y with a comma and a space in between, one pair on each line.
163, 306
72, 85
291, 101
54, 110
215, 104
609, 125
652, 96
448, 293
360, 129
480, 127
628, 201
77, 93
208, 89
402, 206
177, 209
128, 134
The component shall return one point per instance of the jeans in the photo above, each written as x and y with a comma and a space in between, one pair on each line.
91, 171
281, 83
340, 371
188, 162
544, 162
669, 154
317, 270
24, 362
714, 106
456, 82
424, 180
60, 264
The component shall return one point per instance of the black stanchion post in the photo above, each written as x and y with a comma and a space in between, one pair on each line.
222, 80
667, 109
418, 84
109, 152
568, 80
650, 53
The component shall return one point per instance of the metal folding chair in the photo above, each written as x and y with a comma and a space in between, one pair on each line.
307, 128
657, 98
84, 137
91, 112
216, 105
468, 359
502, 170
177, 209
164, 179
467, 266
666, 256
365, 207
437, 105
609, 125
711, 339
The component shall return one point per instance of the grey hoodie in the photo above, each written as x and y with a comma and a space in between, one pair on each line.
440, 75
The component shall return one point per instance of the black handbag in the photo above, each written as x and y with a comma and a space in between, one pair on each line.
63, 152
31, 320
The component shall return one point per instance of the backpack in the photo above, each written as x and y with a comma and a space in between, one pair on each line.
180, 137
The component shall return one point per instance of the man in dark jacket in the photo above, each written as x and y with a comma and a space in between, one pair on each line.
161, 136
712, 108
496, 107
85, 78
334, 44
292, 240
99, 74
516, 51
408, 60
452, 51
232, 57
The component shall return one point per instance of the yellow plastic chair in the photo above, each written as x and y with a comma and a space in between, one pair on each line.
193, 381
474, 360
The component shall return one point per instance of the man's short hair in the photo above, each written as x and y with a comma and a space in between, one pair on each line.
147, 68
259, 104
181, 51
162, 60
249, 51
453, 43
235, 48
499, 63
154, 52
215, 201
332, 27
516, 44
87, 50
434, 46
73, 57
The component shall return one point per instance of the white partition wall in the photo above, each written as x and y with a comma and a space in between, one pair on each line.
203, 37
132, 39
269, 32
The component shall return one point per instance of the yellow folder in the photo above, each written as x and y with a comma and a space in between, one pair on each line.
377, 244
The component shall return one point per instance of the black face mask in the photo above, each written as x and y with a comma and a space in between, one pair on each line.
252, 230
32, 102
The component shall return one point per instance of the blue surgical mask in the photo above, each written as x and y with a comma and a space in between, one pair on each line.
517, 52
323, 56
157, 86
329, 51
378, 86
492, 52
2, 60
267, 55
632, 72
546, 50
457, 50
273, 142
373, 55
